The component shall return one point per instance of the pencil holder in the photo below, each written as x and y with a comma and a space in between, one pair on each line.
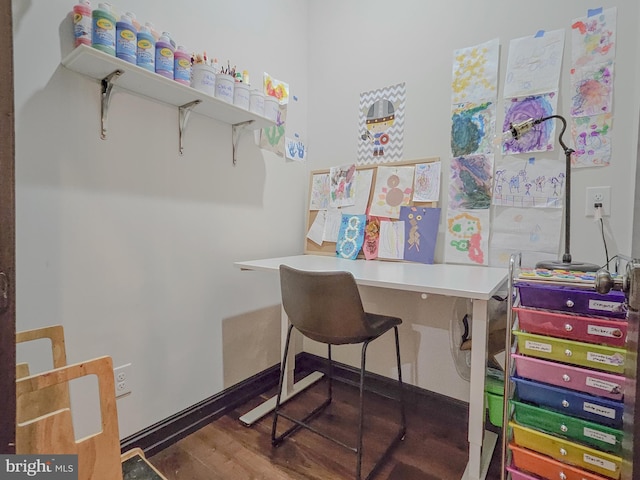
203, 78
241, 95
224, 87
271, 108
256, 102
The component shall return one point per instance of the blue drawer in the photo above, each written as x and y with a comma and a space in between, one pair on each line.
569, 402
573, 300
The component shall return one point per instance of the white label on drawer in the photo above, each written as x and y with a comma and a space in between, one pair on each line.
599, 462
596, 435
599, 410
540, 347
615, 359
609, 387
605, 306
610, 332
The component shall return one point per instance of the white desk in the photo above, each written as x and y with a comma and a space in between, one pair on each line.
466, 281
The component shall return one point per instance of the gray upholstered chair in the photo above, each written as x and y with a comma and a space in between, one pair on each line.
326, 307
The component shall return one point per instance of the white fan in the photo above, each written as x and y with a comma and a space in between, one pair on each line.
459, 330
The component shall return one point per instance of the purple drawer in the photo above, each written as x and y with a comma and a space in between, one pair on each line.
571, 299
584, 380
590, 329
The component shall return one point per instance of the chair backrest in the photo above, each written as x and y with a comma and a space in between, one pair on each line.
324, 306
47, 400
52, 433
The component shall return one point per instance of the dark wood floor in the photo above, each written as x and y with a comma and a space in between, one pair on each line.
435, 446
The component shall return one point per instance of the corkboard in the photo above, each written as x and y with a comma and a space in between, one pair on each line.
329, 248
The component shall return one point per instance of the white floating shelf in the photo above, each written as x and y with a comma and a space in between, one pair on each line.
99, 66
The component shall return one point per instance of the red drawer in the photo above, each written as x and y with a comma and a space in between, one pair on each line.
574, 327
584, 380
546, 467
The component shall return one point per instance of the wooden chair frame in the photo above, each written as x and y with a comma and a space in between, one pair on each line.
44, 421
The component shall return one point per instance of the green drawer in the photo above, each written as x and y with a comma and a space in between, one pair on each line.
600, 357
589, 433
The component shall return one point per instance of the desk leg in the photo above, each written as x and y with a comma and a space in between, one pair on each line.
481, 442
289, 388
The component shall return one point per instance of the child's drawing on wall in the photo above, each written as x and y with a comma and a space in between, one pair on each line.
470, 182
466, 241
342, 185
393, 189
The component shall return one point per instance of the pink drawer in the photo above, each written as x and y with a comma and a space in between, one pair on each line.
583, 380
518, 475
574, 327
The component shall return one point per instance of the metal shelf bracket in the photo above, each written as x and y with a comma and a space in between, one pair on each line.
105, 96
184, 111
236, 130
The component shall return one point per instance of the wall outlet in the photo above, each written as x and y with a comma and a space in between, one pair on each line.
598, 195
122, 376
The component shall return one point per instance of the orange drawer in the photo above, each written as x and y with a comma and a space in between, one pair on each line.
583, 457
546, 467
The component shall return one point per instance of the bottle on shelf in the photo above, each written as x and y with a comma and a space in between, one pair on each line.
146, 49
154, 32
82, 23
103, 29
182, 66
171, 40
126, 39
134, 21
165, 56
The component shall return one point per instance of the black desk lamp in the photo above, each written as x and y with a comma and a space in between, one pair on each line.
519, 129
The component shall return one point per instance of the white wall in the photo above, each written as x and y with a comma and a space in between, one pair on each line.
376, 43
359, 46
131, 246
635, 245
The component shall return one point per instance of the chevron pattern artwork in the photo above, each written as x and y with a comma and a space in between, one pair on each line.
381, 125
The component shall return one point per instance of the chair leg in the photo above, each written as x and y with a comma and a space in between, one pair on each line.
403, 417
358, 450
283, 369
403, 420
297, 423
363, 361
329, 374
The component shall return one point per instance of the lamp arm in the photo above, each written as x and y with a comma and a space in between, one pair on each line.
564, 128
566, 258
